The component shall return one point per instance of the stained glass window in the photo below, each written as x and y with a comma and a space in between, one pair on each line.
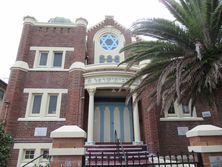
109, 59
116, 59
101, 59
109, 41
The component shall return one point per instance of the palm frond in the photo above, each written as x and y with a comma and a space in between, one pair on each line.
175, 67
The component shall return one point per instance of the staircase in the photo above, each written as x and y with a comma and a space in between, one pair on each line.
112, 154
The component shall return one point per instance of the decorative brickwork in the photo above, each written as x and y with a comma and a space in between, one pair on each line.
161, 135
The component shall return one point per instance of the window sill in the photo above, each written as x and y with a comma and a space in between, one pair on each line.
49, 69
41, 119
182, 119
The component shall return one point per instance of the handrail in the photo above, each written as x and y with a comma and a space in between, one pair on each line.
119, 142
34, 159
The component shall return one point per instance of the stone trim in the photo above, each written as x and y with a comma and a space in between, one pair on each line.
205, 149
204, 130
31, 119
68, 131
171, 119
67, 151
21, 65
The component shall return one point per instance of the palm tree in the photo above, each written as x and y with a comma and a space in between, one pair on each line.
186, 59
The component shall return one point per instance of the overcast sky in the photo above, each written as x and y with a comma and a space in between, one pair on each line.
12, 12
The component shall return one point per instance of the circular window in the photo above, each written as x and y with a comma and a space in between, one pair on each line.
109, 41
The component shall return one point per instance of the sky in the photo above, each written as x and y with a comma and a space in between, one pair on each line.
12, 12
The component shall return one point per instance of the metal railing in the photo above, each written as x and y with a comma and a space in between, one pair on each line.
146, 159
35, 159
120, 144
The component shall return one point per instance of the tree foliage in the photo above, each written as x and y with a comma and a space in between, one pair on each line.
186, 59
5, 145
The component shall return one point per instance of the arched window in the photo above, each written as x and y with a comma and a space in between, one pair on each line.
1, 94
109, 59
116, 59
101, 59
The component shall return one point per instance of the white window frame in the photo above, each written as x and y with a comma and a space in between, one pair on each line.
99, 50
51, 50
179, 111
32, 103
38, 147
24, 153
44, 102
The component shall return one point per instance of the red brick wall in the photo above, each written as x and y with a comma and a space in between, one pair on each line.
14, 95
48, 37
12, 162
23, 50
75, 109
163, 136
150, 124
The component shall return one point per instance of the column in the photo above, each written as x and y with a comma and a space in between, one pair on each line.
205, 141
90, 117
67, 146
136, 122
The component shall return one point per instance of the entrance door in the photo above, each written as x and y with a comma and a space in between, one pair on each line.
111, 116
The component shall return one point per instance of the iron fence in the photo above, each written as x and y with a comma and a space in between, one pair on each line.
144, 159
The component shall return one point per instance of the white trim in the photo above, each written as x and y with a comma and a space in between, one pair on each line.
67, 151
204, 130
45, 48
50, 50
77, 66
49, 69
68, 131
45, 93
99, 50
36, 146
38, 90
205, 149
178, 109
21, 65
32, 145
110, 73
105, 86
31, 119
93, 67
181, 119
43, 24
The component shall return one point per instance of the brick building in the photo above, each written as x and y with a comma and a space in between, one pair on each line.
3, 87
67, 74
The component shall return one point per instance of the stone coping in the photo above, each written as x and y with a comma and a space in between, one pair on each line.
68, 131
204, 130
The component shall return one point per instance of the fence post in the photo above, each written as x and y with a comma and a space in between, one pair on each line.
67, 146
207, 141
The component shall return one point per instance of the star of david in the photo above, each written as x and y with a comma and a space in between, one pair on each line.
108, 42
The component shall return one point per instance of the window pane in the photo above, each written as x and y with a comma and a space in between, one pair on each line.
101, 59
1, 94
43, 58
171, 109
116, 59
185, 109
45, 154
57, 62
29, 154
52, 104
109, 59
36, 104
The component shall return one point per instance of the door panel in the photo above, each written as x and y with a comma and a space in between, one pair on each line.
111, 116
